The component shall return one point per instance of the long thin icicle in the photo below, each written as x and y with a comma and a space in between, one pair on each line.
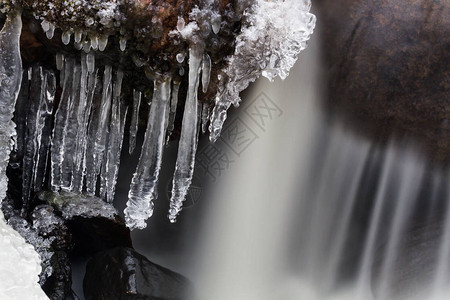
98, 133
20, 114
87, 85
10, 81
137, 95
31, 134
59, 129
115, 139
143, 189
45, 128
184, 168
38, 131
71, 131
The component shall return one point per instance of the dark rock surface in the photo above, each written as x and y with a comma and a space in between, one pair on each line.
388, 66
122, 273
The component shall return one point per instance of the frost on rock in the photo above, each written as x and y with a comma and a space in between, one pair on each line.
72, 205
273, 34
20, 266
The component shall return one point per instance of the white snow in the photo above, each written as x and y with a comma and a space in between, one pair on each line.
19, 268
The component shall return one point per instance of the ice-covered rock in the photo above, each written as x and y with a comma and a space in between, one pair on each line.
19, 268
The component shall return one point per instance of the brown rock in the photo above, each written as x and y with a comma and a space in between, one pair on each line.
389, 67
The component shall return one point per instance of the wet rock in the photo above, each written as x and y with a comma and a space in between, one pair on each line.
388, 63
122, 273
94, 224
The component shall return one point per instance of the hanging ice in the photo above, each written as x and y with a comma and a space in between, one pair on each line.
10, 80
71, 130
38, 131
184, 168
98, 133
206, 72
273, 34
85, 98
59, 129
143, 189
134, 120
115, 139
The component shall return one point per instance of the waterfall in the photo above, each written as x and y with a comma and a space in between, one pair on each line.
315, 211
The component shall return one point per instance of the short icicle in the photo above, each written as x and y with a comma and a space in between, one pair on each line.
10, 81
206, 72
184, 168
137, 95
143, 189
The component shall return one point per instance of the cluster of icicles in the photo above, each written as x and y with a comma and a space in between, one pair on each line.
81, 40
80, 146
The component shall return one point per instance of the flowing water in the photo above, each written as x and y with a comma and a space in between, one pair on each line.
311, 210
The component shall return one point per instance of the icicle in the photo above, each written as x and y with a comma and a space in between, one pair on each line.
90, 61
20, 114
59, 61
71, 131
77, 36
10, 81
98, 128
80, 121
215, 24
218, 117
44, 128
59, 129
51, 31
65, 37
102, 43
206, 72
94, 42
184, 168
206, 114
134, 120
173, 108
45, 26
123, 44
116, 130
31, 134
143, 189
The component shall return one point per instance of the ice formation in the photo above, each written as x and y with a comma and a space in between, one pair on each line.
72, 143
143, 189
269, 43
20, 267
